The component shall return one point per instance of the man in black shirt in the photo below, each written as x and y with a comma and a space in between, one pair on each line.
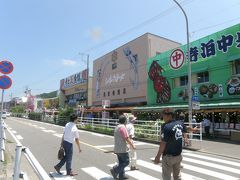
170, 146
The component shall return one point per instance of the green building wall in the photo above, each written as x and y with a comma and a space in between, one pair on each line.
223, 85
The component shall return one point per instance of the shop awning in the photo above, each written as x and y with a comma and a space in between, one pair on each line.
203, 106
100, 109
234, 57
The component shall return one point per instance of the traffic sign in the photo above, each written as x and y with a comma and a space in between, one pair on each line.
195, 98
6, 67
5, 82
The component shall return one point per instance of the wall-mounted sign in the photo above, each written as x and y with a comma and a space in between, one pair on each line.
78, 78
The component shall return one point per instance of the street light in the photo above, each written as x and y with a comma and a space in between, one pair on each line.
189, 68
83, 54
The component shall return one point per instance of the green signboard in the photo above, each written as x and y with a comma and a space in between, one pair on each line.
215, 62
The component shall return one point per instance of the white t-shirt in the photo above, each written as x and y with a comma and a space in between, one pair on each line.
130, 130
70, 132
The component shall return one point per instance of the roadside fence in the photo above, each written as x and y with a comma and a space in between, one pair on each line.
149, 130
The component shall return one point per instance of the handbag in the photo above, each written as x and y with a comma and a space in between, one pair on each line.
61, 153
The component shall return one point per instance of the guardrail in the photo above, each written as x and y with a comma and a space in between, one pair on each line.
2, 140
41, 173
143, 128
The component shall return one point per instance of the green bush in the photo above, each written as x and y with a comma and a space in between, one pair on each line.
62, 120
35, 116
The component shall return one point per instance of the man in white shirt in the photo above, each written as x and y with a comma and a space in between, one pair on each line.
131, 133
70, 135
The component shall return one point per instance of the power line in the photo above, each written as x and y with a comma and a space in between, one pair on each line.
144, 23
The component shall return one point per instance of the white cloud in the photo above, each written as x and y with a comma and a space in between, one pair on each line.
96, 33
68, 62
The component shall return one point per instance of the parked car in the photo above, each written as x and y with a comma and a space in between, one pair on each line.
4, 115
8, 114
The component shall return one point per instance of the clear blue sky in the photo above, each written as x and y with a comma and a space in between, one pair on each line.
43, 38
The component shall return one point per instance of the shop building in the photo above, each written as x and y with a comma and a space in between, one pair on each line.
120, 76
215, 62
74, 91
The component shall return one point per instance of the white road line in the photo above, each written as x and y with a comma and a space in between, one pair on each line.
97, 173
158, 168
58, 135
48, 131
57, 176
96, 134
212, 159
42, 127
209, 172
19, 137
137, 174
14, 132
214, 165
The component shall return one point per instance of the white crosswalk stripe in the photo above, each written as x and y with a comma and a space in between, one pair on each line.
57, 176
158, 168
209, 172
211, 159
194, 165
97, 173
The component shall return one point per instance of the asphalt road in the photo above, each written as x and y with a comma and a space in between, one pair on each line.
96, 157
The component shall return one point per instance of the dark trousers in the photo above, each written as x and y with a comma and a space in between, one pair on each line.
68, 148
123, 161
207, 128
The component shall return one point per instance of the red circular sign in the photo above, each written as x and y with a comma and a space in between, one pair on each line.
176, 59
6, 67
5, 82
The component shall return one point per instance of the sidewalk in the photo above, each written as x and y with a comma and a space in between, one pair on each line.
6, 167
217, 146
223, 147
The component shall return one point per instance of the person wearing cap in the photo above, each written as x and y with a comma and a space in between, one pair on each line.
121, 138
170, 146
133, 153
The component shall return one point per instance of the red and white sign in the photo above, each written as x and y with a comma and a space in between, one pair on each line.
176, 59
105, 103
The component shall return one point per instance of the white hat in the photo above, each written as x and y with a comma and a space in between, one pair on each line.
194, 116
132, 118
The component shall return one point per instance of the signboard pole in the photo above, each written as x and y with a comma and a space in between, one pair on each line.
1, 131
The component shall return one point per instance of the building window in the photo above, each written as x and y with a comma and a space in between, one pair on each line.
124, 90
113, 93
104, 94
203, 77
118, 91
183, 80
237, 67
108, 93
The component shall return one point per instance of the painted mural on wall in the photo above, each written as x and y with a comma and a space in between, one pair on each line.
100, 74
208, 91
133, 60
233, 86
160, 83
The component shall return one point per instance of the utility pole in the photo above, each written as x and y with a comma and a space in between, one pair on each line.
189, 68
87, 74
87, 78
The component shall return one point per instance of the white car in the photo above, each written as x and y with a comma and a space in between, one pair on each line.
8, 114
4, 115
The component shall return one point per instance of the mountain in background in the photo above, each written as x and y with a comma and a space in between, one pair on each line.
52, 94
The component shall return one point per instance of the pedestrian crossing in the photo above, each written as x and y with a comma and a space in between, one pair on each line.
196, 166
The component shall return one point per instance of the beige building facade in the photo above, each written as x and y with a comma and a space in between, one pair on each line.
121, 75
